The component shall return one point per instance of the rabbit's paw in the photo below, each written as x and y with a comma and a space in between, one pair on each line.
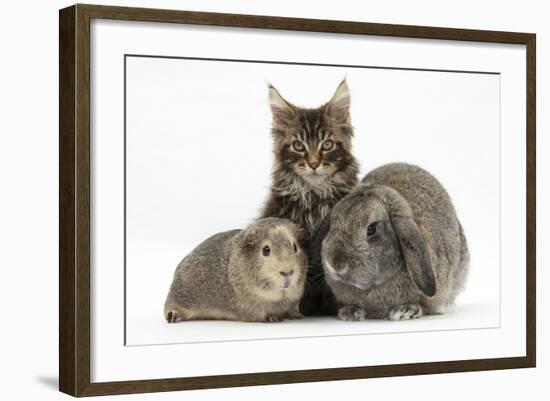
352, 313
405, 312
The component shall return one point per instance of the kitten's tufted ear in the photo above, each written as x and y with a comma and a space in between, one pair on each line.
283, 111
338, 106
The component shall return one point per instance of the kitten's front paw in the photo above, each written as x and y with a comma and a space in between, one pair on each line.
272, 319
405, 312
352, 313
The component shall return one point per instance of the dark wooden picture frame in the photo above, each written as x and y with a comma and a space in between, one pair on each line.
74, 199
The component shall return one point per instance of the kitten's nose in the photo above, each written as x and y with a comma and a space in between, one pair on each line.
286, 274
314, 165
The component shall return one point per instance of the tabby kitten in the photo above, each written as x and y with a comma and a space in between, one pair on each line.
313, 166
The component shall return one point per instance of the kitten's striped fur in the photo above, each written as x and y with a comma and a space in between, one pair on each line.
313, 165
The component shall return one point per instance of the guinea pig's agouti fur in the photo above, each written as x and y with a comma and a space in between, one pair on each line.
256, 274
395, 248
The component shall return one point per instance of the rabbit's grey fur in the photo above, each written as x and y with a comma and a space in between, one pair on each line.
414, 264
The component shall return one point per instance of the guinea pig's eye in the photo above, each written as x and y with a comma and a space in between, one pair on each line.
266, 251
295, 247
327, 145
371, 229
298, 146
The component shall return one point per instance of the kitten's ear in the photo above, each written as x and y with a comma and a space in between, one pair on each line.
283, 111
338, 106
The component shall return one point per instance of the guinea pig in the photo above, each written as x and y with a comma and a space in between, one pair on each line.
256, 274
395, 248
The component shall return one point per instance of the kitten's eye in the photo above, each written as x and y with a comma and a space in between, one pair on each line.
327, 145
298, 146
266, 251
371, 229
295, 247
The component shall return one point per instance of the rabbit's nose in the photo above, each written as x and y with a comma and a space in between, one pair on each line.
338, 260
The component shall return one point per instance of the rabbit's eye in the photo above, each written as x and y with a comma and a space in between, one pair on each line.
266, 251
371, 229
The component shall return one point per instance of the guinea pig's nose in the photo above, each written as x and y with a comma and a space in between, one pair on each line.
286, 274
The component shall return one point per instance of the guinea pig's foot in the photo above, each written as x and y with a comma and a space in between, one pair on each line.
405, 312
352, 313
173, 317
294, 316
273, 319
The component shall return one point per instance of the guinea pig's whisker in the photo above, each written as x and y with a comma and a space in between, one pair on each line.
320, 279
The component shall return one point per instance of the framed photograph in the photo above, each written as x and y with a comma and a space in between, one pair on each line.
251, 200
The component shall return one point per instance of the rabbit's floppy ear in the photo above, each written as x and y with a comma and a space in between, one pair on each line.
415, 252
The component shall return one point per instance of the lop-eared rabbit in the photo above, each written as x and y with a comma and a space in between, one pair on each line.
395, 248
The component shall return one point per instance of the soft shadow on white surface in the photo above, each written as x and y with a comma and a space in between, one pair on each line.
153, 330
52, 382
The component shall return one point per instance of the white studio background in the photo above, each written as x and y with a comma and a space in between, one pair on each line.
28, 212
199, 154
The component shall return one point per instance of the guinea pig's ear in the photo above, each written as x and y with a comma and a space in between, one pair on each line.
250, 239
415, 253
